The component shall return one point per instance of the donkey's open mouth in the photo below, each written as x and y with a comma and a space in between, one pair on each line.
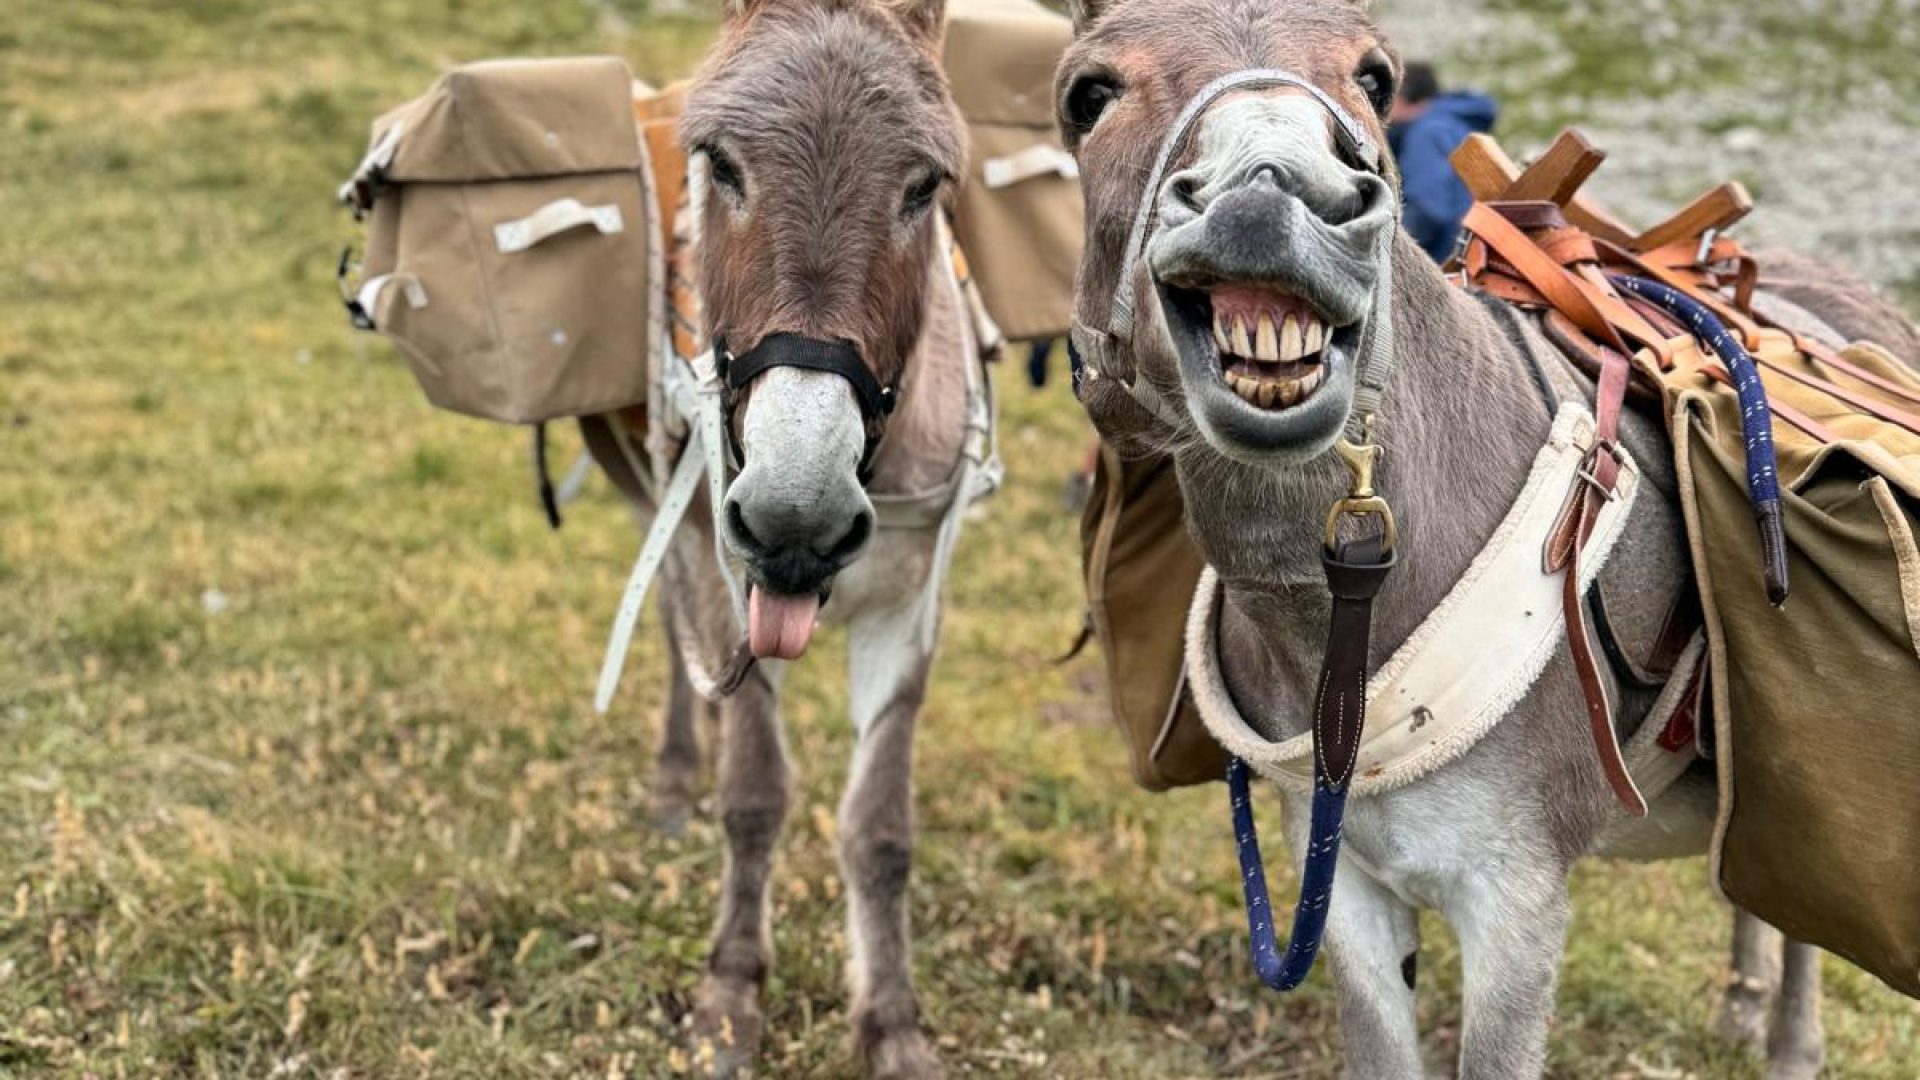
1271, 345
1268, 372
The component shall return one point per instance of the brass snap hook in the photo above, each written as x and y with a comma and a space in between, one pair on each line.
1361, 499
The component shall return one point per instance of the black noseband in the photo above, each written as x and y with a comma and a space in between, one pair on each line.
840, 358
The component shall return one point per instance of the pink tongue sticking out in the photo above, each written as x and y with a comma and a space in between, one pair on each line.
779, 627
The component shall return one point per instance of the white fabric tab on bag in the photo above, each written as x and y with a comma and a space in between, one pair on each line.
1036, 160
513, 237
370, 291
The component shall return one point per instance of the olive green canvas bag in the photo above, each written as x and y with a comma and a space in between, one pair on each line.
1141, 568
508, 230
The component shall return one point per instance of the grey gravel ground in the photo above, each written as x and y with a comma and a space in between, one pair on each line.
1814, 104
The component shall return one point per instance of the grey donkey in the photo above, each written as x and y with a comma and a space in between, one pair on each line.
1248, 412
828, 141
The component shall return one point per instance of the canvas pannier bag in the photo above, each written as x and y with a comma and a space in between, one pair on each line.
509, 219
1019, 212
1813, 629
1816, 702
1141, 569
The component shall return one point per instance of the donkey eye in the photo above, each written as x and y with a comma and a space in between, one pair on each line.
1375, 79
1087, 99
920, 195
724, 172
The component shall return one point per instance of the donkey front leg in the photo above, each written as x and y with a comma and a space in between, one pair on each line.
1796, 1041
676, 771
754, 790
889, 662
1513, 936
1373, 945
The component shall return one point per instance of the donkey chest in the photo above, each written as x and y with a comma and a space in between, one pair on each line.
1428, 845
891, 572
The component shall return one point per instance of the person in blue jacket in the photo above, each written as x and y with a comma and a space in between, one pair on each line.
1425, 128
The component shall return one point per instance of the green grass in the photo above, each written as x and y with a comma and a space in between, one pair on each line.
300, 775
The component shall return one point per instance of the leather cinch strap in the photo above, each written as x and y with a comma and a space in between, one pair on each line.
1354, 577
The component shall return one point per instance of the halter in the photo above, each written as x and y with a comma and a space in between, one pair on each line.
1355, 570
841, 358
1101, 348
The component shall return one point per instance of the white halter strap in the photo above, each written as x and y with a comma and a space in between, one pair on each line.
1098, 344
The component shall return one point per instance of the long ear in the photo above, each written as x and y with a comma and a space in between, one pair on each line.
926, 20
1083, 12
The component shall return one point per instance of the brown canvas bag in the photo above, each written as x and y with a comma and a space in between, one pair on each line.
509, 216
1141, 569
1019, 213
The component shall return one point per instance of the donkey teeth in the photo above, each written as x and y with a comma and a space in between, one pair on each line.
1291, 339
1242, 346
1220, 334
1266, 346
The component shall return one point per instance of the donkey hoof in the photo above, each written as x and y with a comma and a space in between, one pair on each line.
903, 1055
1796, 1069
1742, 1018
726, 1028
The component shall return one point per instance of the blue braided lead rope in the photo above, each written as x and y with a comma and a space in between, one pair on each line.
1756, 417
1316, 881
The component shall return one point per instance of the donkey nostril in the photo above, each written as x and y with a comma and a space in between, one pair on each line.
852, 540
742, 535
1186, 190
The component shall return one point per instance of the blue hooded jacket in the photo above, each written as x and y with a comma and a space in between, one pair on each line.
1436, 200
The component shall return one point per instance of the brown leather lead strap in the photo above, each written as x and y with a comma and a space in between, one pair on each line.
1354, 577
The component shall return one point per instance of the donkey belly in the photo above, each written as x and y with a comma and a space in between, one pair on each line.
1679, 824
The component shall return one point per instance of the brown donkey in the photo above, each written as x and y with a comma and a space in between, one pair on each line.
1238, 332
823, 141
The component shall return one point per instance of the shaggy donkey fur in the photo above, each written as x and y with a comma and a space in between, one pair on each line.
830, 134
1489, 840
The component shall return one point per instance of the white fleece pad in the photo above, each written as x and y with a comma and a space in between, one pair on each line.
1468, 664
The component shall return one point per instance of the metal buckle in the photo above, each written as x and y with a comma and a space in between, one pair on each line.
1361, 499
1588, 475
1706, 247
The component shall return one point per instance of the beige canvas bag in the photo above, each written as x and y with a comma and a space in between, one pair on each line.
1019, 214
509, 214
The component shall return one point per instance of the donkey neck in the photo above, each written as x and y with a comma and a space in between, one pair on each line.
928, 428
1460, 423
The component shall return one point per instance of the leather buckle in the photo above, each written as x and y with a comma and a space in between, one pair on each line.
1589, 474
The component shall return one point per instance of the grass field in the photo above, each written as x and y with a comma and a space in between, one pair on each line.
300, 776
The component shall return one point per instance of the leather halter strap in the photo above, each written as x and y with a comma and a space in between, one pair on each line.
840, 358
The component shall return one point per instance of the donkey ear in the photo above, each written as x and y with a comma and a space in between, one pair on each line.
924, 19
1084, 12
